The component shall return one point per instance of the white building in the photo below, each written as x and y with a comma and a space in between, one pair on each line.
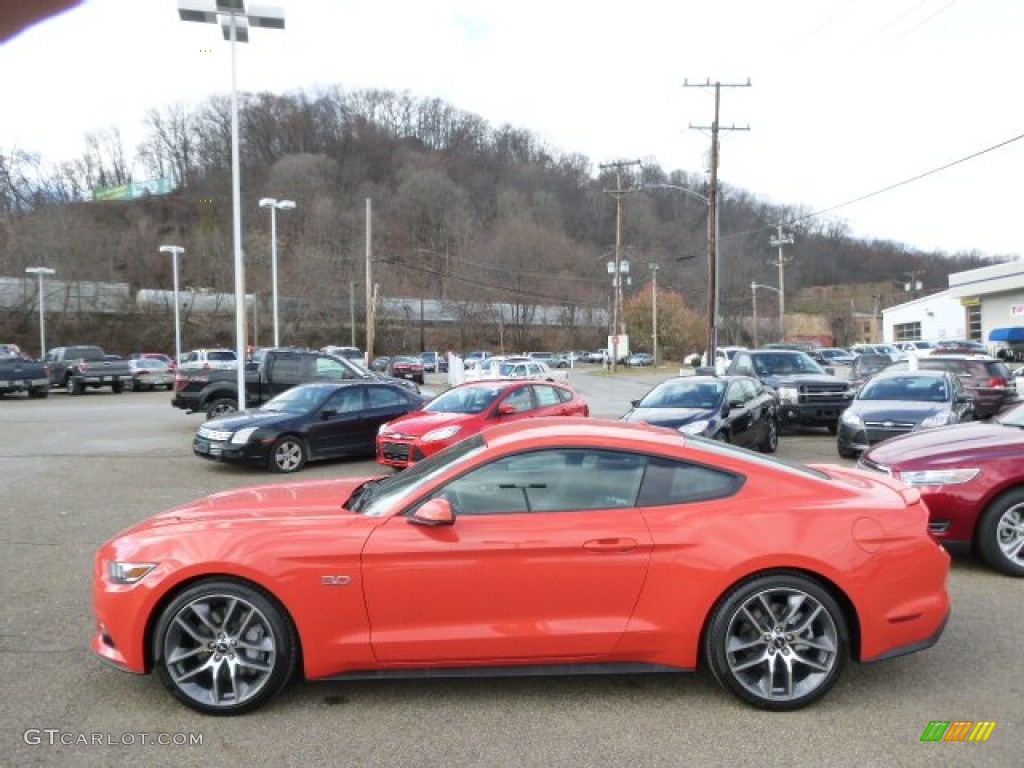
985, 304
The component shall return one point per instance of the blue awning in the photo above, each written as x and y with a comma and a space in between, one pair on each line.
1015, 333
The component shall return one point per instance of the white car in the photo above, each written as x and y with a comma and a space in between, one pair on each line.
209, 359
530, 370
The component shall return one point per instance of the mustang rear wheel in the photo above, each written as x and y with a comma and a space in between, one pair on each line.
778, 642
288, 454
223, 648
1000, 537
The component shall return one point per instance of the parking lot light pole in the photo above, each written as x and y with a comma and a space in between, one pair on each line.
234, 22
275, 205
40, 272
753, 298
175, 251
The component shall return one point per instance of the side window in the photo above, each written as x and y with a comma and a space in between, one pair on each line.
346, 400
385, 397
744, 365
287, 368
546, 396
330, 369
737, 393
520, 398
676, 482
563, 394
557, 480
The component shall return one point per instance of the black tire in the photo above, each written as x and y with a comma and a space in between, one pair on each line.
758, 624
1000, 534
770, 442
76, 387
846, 453
224, 648
833, 429
117, 387
288, 454
38, 394
222, 406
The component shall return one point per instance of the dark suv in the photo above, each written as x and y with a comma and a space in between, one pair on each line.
808, 395
986, 378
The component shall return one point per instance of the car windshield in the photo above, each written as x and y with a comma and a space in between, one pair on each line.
382, 497
685, 394
1011, 418
775, 364
465, 400
913, 388
295, 400
509, 369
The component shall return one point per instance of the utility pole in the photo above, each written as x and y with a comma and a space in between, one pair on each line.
780, 240
713, 202
654, 313
371, 294
753, 301
618, 193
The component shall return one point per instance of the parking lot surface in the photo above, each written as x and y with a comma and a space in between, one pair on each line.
75, 470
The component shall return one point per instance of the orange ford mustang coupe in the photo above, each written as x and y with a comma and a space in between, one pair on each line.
555, 545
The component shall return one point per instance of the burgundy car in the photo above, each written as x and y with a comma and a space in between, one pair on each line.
406, 368
971, 476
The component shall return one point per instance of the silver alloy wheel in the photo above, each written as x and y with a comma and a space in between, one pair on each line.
288, 455
1010, 534
219, 651
781, 644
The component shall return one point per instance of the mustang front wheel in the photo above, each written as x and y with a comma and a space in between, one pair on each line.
778, 642
223, 648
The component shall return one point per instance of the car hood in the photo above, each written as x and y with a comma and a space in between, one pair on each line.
259, 503
418, 423
257, 418
934, 447
668, 417
895, 410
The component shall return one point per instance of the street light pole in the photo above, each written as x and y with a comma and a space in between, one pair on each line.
175, 251
234, 22
275, 206
654, 313
40, 272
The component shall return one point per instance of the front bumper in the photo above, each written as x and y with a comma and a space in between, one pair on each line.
252, 453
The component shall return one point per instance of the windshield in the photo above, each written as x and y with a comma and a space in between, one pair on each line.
925, 389
465, 400
685, 394
380, 499
295, 400
776, 364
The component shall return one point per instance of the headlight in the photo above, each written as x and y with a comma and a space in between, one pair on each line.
935, 420
440, 434
384, 429
789, 394
852, 420
937, 476
128, 573
695, 427
241, 437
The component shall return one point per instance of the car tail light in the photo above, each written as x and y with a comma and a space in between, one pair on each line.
996, 382
83, 367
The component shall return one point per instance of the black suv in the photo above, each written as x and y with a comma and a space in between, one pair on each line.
808, 395
987, 378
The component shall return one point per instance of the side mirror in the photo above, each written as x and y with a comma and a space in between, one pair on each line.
635, 403
328, 413
506, 408
433, 513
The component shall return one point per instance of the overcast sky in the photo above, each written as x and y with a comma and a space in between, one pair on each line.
847, 98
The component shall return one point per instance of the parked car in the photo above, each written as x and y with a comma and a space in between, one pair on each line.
733, 409
865, 366
908, 348
434, 362
834, 356
19, 373
598, 356
808, 395
85, 367
474, 358
380, 363
352, 353
150, 373
310, 422
530, 369
987, 379
971, 476
405, 367
640, 359
465, 410
210, 360
559, 545
895, 402
157, 356
958, 347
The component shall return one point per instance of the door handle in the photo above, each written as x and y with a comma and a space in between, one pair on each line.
610, 545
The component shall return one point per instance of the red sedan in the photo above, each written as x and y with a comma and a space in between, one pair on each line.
972, 479
554, 545
406, 368
465, 410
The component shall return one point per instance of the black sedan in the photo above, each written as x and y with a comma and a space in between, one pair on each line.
734, 409
895, 402
306, 423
